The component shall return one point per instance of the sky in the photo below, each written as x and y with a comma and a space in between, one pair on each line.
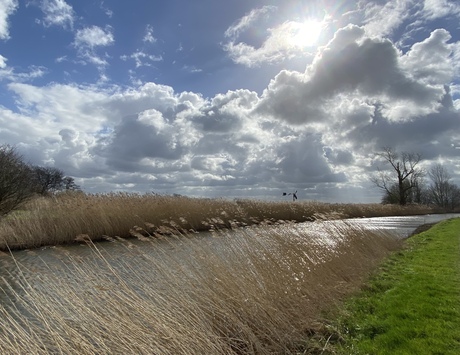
232, 99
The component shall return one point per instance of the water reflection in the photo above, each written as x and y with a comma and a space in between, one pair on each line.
402, 226
60, 264
62, 283
31, 265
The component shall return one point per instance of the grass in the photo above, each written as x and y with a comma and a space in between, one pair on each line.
260, 290
63, 218
412, 305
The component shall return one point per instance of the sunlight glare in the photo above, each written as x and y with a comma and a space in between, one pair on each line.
305, 34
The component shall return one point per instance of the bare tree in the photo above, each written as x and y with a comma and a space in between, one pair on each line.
16, 182
454, 196
441, 191
440, 185
404, 177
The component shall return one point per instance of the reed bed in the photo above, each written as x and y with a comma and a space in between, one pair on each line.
61, 219
261, 290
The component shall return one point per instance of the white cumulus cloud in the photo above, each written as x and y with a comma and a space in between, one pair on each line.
7, 8
2, 62
58, 13
89, 39
357, 66
94, 36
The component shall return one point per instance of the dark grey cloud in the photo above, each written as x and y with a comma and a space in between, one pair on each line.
338, 156
430, 134
147, 135
212, 121
303, 160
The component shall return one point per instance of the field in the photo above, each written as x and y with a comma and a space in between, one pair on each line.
64, 218
412, 304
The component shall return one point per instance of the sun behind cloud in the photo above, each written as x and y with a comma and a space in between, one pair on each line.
304, 34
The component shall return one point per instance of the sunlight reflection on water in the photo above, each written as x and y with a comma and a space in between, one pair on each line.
183, 254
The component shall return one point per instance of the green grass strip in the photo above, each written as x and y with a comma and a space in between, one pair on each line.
412, 305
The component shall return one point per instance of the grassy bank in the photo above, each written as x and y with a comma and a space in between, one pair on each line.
412, 305
63, 218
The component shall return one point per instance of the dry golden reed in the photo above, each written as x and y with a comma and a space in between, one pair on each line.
61, 219
260, 290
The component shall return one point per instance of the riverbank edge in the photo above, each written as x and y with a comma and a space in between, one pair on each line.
61, 220
410, 305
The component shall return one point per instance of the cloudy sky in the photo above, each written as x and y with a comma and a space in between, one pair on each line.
230, 98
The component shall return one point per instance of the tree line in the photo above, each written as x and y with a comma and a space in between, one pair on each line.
406, 182
20, 181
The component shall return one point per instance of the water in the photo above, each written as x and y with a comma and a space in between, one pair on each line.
177, 250
137, 262
404, 226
